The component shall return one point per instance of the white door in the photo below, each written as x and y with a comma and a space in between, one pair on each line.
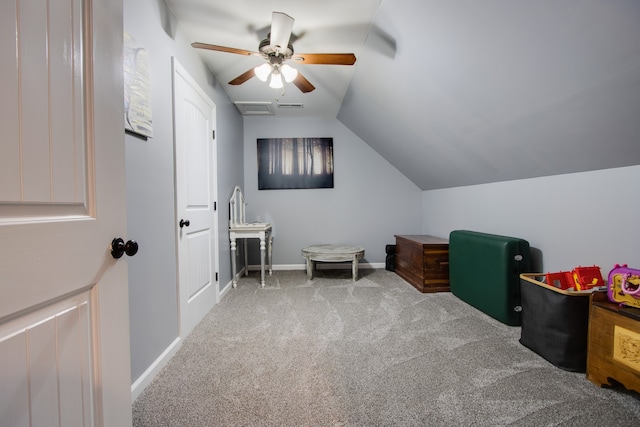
64, 331
196, 213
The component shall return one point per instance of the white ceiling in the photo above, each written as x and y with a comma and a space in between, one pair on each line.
455, 92
322, 26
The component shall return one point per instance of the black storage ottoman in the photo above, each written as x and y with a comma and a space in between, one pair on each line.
555, 323
390, 262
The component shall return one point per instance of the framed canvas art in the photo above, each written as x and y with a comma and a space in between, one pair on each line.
290, 163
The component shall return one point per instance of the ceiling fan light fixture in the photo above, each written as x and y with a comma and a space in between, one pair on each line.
276, 49
276, 80
262, 71
289, 73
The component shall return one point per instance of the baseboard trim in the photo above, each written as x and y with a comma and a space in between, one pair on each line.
225, 290
322, 266
147, 376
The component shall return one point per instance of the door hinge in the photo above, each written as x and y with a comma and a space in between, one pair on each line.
213, 134
215, 206
216, 276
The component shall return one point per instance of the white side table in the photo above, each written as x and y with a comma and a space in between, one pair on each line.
256, 230
332, 253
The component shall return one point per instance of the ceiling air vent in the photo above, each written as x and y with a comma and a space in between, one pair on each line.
249, 108
292, 105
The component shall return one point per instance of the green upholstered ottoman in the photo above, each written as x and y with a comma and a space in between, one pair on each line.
484, 271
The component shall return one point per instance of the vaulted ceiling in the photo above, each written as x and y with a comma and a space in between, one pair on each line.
457, 92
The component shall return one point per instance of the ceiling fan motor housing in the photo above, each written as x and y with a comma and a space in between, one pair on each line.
269, 52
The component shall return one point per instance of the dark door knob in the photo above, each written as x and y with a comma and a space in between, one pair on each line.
119, 247
184, 223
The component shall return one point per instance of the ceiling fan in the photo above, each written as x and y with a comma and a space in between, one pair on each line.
276, 49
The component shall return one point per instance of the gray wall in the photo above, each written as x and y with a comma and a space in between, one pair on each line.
150, 183
581, 219
370, 202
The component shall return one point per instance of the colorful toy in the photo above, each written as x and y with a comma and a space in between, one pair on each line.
624, 285
579, 279
561, 280
586, 278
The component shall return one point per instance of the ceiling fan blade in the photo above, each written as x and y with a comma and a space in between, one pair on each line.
281, 26
243, 77
199, 45
303, 84
325, 58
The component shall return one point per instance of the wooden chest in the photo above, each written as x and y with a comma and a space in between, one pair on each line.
423, 261
613, 351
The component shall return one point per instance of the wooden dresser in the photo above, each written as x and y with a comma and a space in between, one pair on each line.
613, 349
423, 261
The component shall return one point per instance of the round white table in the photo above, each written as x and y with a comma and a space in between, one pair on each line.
332, 253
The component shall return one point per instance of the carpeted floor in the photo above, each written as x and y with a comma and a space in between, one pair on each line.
331, 352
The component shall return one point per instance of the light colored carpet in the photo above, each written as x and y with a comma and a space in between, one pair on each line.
330, 352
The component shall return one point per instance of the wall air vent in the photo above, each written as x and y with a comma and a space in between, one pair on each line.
250, 108
292, 105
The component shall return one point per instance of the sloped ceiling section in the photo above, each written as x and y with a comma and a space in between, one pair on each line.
476, 92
